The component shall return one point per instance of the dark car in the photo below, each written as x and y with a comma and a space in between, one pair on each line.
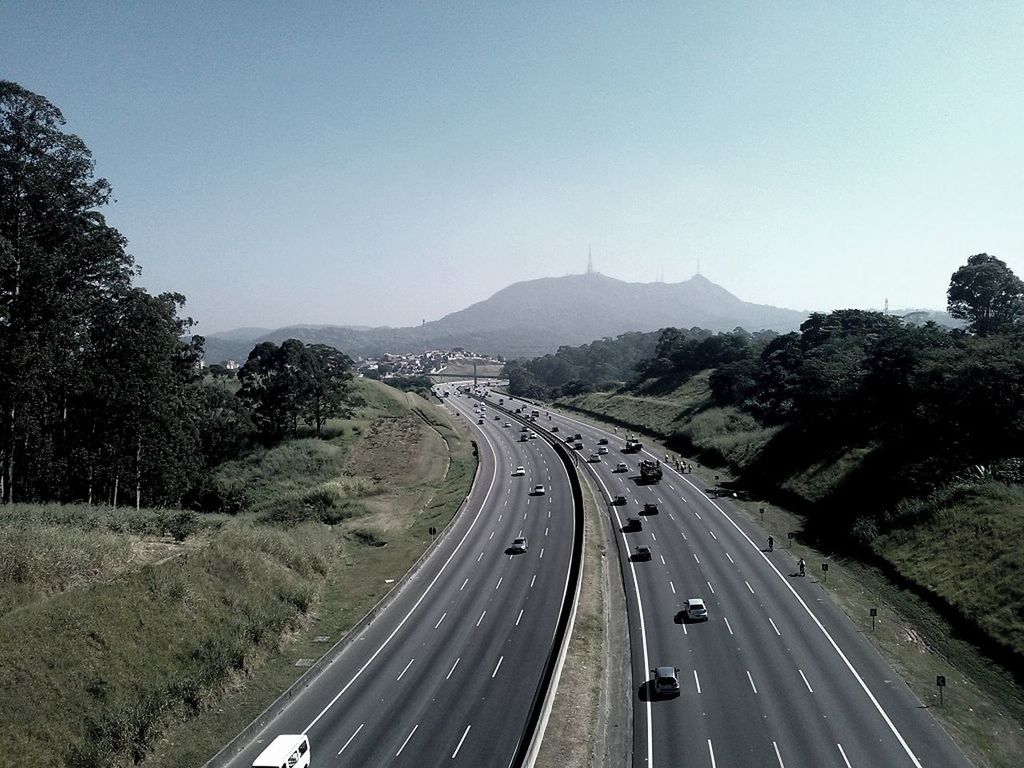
642, 552
650, 509
633, 524
554, 428
603, 441
666, 681
619, 501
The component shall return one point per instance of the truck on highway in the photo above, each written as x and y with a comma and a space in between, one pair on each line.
650, 471
633, 446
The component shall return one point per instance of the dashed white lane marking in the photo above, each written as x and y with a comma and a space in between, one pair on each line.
491, 536
774, 627
406, 669
440, 620
711, 751
453, 668
660, 501
751, 679
711, 588
499, 517
345, 745
728, 626
464, 733
542, 553
841, 752
730, 558
748, 586
778, 756
695, 678
533, 580
525, 515
804, 677
696, 558
653, 537
684, 537
497, 667
481, 557
407, 739
520, 616
481, 617
673, 587
698, 515
713, 535
671, 516
499, 582
464, 585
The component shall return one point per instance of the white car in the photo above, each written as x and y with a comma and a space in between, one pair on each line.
603, 450
594, 457
507, 425
695, 610
621, 467
518, 472
538, 490
519, 544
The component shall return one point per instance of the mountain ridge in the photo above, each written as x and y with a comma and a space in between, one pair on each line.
535, 317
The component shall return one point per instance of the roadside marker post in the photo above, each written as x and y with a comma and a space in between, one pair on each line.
824, 570
940, 681
874, 613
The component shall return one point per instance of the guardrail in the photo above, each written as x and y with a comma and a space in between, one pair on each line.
544, 695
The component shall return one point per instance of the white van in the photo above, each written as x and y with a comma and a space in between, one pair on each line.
286, 751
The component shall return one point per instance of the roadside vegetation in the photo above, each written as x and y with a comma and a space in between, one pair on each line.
154, 636
899, 447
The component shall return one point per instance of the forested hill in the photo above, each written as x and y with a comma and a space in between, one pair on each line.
536, 317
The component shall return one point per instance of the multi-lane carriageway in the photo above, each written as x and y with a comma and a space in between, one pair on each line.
778, 676
447, 674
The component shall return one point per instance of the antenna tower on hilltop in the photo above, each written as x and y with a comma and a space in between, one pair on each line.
590, 260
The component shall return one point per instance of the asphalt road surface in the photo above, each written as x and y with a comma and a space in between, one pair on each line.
447, 673
778, 675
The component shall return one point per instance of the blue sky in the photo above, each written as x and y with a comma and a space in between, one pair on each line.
382, 163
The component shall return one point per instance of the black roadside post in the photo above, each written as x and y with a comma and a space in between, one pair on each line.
874, 612
762, 515
790, 537
824, 570
940, 681
433, 532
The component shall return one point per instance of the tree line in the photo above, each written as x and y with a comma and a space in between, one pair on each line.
929, 406
102, 398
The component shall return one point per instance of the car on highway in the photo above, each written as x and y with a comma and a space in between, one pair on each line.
650, 509
532, 435
577, 446
480, 421
594, 458
633, 524
524, 429
642, 552
507, 424
523, 438
519, 544
518, 472
603, 450
666, 681
695, 610
603, 441
538, 490
497, 418
621, 467
554, 428
618, 501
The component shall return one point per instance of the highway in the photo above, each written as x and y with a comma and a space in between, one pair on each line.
447, 673
778, 675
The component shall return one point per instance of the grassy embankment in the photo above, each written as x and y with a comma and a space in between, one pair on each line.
128, 645
958, 569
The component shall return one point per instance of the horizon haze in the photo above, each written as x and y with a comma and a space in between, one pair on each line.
384, 165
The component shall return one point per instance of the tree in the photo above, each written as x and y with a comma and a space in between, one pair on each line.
58, 260
987, 294
292, 381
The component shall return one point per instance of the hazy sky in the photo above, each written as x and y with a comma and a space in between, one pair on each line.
380, 163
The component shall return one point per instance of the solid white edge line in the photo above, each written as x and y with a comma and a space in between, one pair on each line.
643, 628
426, 591
821, 627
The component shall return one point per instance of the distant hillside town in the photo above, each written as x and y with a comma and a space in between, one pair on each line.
386, 366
